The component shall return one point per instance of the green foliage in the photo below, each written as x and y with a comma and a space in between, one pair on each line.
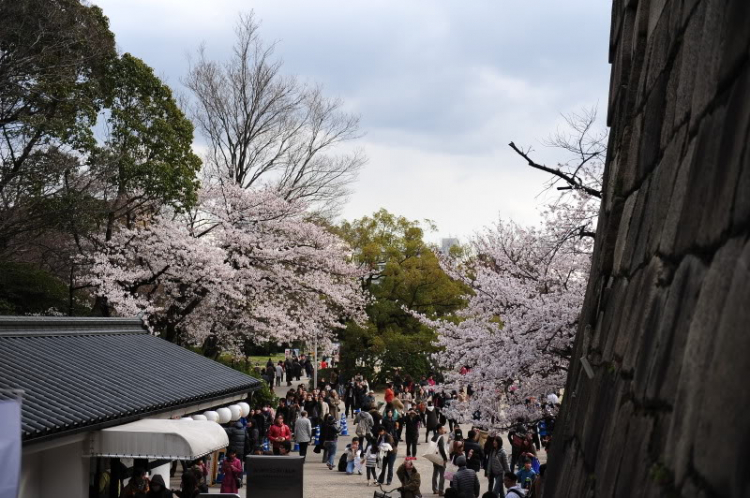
55, 56
26, 289
149, 148
262, 396
403, 272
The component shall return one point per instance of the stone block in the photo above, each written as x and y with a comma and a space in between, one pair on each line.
726, 384
617, 434
663, 370
737, 39
696, 360
659, 49
632, 474
735, 151
631, 312
676, 203
691, 47
708, 60
670, 99
634, 232
653, 120
664, 178
730, 124
644, 314
655, 11
621, 267
704, 186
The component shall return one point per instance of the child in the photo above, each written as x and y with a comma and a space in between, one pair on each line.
353, 456
526, 475
371, 461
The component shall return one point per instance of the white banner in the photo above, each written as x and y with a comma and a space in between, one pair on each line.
10, 447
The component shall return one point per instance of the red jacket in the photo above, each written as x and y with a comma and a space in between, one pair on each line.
389, 395
276, 431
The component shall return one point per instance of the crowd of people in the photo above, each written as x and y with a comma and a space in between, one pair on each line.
411, 413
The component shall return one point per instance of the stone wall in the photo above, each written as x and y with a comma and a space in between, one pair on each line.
666, 322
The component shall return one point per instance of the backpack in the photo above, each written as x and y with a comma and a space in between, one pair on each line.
342, 463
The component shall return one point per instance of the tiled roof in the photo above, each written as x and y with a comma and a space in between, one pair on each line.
79, 373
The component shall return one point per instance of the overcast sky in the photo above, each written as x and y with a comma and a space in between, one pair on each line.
442, 86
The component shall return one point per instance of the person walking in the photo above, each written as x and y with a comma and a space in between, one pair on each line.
497, 466
278, 433
510, 480
349, 399
289, 370
465, 481
388, 446
371, 462
329, 435
411, 422
238, 438
364, 423
526, 475
138, 486
303, 433
158, 489
474, 452
431, 421
279, 373
232, 468
438, 470
409, 477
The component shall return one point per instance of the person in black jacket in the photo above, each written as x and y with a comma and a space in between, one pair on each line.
253, 436
157, 488
465, 481
412, 432
259, 423
329, 434
473, 451
237, 438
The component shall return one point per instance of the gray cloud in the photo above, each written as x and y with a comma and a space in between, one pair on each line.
441, 85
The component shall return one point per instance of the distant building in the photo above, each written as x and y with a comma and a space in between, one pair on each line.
446, 244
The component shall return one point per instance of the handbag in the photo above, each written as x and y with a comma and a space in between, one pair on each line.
318, 448
238, 481
450, 471
432, 454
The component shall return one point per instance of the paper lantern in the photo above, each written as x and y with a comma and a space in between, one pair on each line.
200, 417
225, 415
236, 411
245, 408
211, 415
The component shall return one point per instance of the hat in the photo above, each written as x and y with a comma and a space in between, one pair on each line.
461, 461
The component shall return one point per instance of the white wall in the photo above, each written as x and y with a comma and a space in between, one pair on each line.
57, 472
163, 471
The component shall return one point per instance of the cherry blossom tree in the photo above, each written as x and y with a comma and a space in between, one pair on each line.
243, 263
513, 342
516, 334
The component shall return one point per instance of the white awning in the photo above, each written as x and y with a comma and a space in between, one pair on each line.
160, 439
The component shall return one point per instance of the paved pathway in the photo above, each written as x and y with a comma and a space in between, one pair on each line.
323, 483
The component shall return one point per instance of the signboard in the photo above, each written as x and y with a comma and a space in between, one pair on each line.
10, 446
274, 476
